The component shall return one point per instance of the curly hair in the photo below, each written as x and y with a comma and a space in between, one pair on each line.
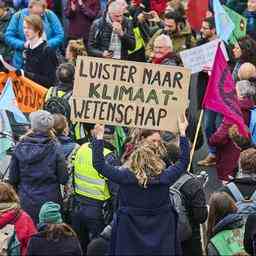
146, 162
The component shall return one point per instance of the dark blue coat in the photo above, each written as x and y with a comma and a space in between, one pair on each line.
67, 145
66, 245
145, 223
37, 169
251, 23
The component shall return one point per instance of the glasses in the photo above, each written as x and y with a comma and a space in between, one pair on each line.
160, 47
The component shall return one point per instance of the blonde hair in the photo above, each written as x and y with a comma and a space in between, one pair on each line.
146, 162
43, 3
36, 23
77, 48
8, 194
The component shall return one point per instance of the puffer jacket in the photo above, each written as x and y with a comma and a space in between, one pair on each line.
15, 38
100, 36
37, 169
24, 226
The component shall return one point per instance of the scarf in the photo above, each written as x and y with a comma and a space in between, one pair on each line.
115, 42
4, 207
169, 55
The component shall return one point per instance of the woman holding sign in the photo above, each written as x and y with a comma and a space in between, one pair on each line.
145, 223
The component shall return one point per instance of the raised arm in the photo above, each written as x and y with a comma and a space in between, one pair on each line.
173, 172
112, 173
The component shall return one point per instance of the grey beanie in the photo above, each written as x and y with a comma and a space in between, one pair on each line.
41, 121
245, 88
65, 73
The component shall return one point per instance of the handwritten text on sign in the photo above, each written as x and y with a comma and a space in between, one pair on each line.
129, 93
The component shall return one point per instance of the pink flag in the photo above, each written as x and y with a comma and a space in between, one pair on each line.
220, 95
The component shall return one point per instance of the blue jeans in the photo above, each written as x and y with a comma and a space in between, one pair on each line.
212, 121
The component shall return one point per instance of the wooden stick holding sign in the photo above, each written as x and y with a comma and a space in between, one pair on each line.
195, 139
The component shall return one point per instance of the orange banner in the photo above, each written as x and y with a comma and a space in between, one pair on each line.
29, 95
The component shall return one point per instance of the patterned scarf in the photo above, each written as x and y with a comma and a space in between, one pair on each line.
115, 42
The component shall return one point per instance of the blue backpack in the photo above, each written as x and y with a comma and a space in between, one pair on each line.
252, 126
245, 206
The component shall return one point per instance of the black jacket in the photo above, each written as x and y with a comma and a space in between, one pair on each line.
100, 36
195, 203
250, 234
246, 185
66, 245
40, 65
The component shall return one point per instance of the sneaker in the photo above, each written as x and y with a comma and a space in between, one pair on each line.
210, 160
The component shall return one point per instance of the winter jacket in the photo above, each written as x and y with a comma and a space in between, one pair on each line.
245, 184
180, 40
5, 50
65, 246
81, 19
40, 64
230, 222
67, 145
251, 23
170, 59
100, 36
14, 35
142, 211
195, 204
246, 104
37, 169
24, 226
227, 153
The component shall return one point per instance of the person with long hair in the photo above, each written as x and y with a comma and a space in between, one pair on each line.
55, 237
38, 165
225, 228
11, 213
145, 222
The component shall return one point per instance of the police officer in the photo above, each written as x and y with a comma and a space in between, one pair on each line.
91, 195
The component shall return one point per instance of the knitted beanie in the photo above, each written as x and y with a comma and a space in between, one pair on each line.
41, 121
50, 213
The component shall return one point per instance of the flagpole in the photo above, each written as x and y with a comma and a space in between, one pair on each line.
195, 139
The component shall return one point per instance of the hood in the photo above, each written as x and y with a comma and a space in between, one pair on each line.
34, 148
246, 103
231, 221
63, 139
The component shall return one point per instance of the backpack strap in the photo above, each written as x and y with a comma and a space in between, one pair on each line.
67, 95
253, 196
182, 180
235, 191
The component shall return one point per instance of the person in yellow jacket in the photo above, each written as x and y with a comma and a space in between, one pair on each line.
91, 195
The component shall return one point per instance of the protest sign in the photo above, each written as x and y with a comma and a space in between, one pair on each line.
29, 95
129, 93
199, 57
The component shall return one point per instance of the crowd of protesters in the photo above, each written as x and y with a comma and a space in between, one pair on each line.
71, 190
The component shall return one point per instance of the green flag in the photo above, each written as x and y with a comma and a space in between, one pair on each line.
240, 25
119, 140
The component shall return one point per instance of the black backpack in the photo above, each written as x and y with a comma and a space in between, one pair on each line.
58, 104
177, 199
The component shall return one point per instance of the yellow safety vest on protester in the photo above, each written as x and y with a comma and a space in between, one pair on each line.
87, 181
138, 38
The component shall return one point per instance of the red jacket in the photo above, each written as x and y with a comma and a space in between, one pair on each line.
227, 153
158, 6
24, 227
246, 104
